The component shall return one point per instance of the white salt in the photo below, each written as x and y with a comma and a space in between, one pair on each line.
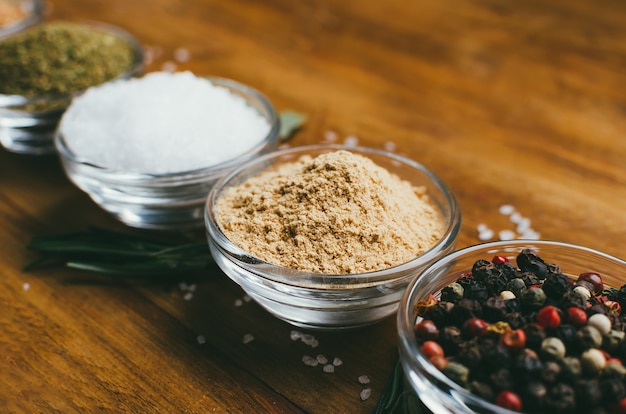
201, 339
506, 209
247, 338
390, 146
188, 296
506, 235
329, 368
364, 379
321, 359
238, 303
330, 136
295, 335
247, 298
486, 234
365, 394
182, 55
26, 286
161, 123
309, 361
337, 362
351, 141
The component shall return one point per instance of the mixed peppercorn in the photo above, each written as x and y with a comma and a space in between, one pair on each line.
529, 338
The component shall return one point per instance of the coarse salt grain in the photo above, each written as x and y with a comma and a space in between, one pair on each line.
365, 394
321, 359
351, 141
295, 335
238, 303
329, 368
486, 234
364, 379
26, 286
330, 136
188, 296
201, 339
506, 209
161, 123
182, 55
310, 361
390, 146
337, 362
506, 235
247, 298
247, 338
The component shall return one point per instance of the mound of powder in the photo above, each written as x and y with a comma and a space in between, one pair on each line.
161, 123
338, 213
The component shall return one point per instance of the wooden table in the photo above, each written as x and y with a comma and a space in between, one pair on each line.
510, 103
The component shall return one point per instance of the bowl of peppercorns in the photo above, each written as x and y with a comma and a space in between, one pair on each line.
517, 326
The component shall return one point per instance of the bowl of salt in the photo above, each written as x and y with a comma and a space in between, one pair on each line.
148, 150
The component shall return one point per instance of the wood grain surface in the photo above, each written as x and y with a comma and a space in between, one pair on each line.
520, 103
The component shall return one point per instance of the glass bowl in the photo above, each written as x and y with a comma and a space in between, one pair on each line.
435, 390
321, 301
167, 201
32, 13
28, 124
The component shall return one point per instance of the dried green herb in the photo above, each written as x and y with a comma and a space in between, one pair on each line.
396, 398
290, 122
60, 58
121, 254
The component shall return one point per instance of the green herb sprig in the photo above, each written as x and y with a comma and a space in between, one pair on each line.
120, 254
396, 398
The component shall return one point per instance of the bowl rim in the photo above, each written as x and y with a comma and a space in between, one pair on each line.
117, 175
137, 67
34, 15
404, 323
298, 278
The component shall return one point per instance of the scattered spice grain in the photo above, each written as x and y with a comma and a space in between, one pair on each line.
337, 213
61, 57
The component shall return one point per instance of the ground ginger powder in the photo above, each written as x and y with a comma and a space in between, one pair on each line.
338, 213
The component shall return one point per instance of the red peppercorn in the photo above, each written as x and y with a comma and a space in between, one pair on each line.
514, 340
431, 349
509, 400
475, 327
549, 317
439, 361
499, 259
577, 316
593, 278
426, 330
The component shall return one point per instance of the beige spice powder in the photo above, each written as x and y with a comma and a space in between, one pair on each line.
338, 213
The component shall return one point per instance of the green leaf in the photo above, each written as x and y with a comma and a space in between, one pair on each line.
290, 122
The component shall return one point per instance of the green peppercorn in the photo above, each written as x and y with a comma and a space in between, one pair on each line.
452, 293
570, 367
611, 341
458, 373
533, 298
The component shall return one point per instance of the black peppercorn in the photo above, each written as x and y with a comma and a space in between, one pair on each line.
568, 334
556, 286
495, 357
502, 379
530, 279
535, 334
612, 389
469, 355
530, 262
517, 286
481, 389
466, 309
440, 313
533, 393
550, 371
494, 309
572, 299
449, 338
527, 367
476, 291
560, 398
588, 392
452, 293
515, 319
508, 270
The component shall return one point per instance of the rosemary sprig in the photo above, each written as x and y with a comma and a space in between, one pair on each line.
396, 399
120, 254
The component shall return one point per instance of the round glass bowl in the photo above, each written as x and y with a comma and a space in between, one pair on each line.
320, 301
28, 124
27, 13
168, 201
439, 393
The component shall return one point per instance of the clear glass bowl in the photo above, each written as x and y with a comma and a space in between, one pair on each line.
432, 387
33, 14
318, 301
168, 201
28, 124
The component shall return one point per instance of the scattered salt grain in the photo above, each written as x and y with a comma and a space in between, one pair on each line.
515, 217
506, 209
238, 303
351, 141
201, 339
321, 359
329, 368
182, 55
169, 66
486, 234
310, 340
161, 123
330, 136
390, 146
295, 335
364, 379
337, 362
247, 298
247, 338
506, 235
309, 361
26, 286
188, 296
366, 393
